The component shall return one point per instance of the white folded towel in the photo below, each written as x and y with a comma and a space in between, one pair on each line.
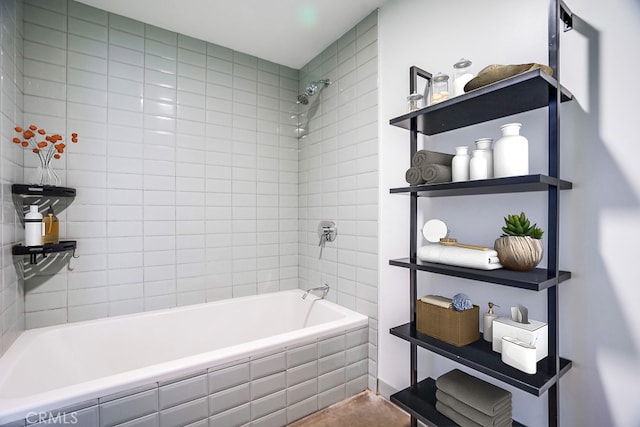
461, 257
443, 302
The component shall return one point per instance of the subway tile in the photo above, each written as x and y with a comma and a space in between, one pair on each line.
45, 36
160, 49
302, 409
87, 29
87, 46
159, 78
229, 398
184, 414
44, 53
234, 417
51, 17
302, 373
268, 385
161, 35
332, 396
192, 44
219, 52
302, 391
160, 64
228, 377
126, 55
128, 408
88, 13
147, 421
268, 405
126, 24
45, 71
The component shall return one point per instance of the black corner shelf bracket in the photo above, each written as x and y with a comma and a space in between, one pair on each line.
49, 248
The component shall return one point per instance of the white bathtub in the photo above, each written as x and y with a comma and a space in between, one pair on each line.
54, 367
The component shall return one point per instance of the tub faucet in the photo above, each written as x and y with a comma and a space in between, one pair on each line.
324, 288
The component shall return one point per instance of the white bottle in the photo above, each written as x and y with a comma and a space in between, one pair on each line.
488, 319
511, 152
484, 144
460, 165
478, 165
33, 227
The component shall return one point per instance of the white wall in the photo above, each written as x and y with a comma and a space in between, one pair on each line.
11, 232
599, 330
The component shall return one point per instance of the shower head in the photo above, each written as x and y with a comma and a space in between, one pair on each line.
312, 89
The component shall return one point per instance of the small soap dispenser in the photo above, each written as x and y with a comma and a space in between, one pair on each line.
488, 323
33, 227
51, 227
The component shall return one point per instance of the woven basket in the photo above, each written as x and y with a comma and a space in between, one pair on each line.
519, 253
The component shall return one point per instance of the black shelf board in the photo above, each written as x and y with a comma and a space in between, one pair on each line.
511, 184
523, 92
43, 190
49, 248
419, 400
533, 280
479, 356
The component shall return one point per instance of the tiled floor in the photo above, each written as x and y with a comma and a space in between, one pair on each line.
363, 410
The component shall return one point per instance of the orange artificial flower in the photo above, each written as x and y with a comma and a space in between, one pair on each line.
42, 144
35, 150
25, 144
42, 131
74, 139
28, 134
74, 135
16, 140
33, 127
56, 156
18, 129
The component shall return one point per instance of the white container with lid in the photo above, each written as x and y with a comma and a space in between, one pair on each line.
461, 76
33, 227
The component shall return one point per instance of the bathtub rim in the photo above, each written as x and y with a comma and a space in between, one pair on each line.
13, 409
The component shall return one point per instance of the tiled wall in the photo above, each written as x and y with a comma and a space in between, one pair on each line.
186, 169
338, 175
11, 100
272, 389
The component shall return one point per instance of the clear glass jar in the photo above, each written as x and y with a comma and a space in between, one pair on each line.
413, 101
440, 88
461, 76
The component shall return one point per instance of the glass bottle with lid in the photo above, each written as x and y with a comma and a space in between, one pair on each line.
413, 101
440, 90
461, 75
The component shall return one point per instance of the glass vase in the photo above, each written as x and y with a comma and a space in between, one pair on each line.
45, 174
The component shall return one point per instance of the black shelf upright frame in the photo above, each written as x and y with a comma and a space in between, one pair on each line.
414, 73
558, 12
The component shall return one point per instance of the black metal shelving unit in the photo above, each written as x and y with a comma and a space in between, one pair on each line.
40, 192
525, 92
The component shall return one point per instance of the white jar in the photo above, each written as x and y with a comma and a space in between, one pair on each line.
484, 144
460, 165
478, 165
511, 152
33, 227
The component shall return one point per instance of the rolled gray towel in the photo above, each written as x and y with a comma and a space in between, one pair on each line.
433, 173
414, 176
428, 157
486, 398
463, 421
502, 417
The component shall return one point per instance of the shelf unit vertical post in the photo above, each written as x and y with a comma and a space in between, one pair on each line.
414, 73
556, 14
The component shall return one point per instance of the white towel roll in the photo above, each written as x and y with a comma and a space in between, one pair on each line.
461, 257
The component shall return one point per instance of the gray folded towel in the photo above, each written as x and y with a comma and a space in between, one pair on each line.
463, 421
486, 398
427, 157
414, 176
433, 173
503, 416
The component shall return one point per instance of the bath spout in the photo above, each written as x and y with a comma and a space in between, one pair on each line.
324, 288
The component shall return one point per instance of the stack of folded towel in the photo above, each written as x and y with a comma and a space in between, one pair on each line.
469, 401
429, 167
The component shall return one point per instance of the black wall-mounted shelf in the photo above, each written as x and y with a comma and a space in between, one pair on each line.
42, 190
49, 248
512, 184
479, 356
532, 280
422, 396
518, 94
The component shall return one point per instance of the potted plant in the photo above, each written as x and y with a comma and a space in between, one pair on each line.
520, 247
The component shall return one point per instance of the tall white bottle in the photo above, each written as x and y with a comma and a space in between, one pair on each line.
478, 165
33, 227
460, 165
511, 152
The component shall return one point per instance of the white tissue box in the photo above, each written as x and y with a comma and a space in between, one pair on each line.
534, 333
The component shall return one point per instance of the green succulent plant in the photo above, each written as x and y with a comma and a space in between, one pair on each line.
519, 225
